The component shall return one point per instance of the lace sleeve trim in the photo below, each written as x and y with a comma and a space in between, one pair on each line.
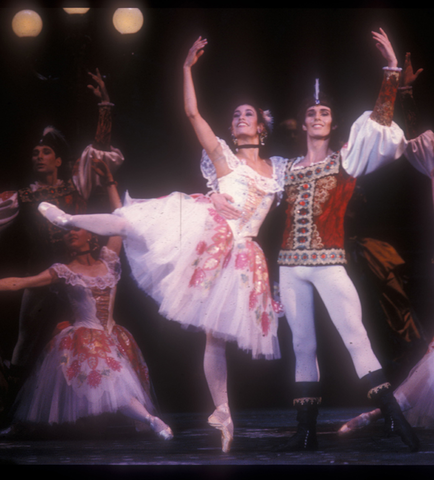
274, 184
110, 279
208, 169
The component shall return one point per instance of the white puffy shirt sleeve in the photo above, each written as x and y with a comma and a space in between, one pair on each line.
9, 208
371, 146
420, 153
84, 177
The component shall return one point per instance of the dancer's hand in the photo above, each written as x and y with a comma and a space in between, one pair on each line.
383, 44
408, 74
195, 52
101, 169
223, 207
100, 90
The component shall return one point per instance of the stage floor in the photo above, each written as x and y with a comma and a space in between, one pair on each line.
197, 444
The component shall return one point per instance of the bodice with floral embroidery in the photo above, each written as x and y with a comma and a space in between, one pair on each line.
252, 192
91, 299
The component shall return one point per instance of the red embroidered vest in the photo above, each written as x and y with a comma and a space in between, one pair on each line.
317, 198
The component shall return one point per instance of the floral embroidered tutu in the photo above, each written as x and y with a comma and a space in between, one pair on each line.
204, 271
91, 366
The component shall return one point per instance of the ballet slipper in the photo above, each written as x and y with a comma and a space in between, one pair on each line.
360, 421
160, 428
54, 215
223, 426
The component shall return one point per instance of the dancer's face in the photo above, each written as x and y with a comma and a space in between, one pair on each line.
245, 122
318, 121
44, 160
77, 239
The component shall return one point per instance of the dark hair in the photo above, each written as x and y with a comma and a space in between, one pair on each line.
53, 138
258, 110
326, 101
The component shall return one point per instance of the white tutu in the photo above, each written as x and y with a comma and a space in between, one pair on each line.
415, 395
91, 366
186, 256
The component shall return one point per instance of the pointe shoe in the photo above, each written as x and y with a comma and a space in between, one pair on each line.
359, 422
160, 428
224, 426
54, 215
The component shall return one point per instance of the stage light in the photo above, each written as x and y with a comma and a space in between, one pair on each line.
128, 20
27, 23
76, 11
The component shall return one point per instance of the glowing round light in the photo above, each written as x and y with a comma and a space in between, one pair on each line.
76, 11
27, 23
128, 20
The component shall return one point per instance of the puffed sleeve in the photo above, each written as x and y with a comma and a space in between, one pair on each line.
83, 176
420, 153
9, 208
371, 146
207, 167
375, 140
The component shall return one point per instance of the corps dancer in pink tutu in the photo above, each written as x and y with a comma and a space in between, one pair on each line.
205, 271
91, 365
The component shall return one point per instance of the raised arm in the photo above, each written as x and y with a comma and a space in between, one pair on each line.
203, 131
101, 169
385, 104
101, 146
406, 100
375, 140
102, 139
12, 284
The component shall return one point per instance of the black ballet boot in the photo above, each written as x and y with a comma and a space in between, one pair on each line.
306, 404
381, 394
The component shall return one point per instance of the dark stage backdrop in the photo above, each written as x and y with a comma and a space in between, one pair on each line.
274, 54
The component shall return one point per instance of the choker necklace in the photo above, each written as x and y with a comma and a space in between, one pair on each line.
76, 254
248, 145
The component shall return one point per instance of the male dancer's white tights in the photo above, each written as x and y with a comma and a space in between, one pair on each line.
340, 297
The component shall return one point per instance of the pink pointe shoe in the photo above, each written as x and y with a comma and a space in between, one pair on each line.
221, 419
54, 215
360, 421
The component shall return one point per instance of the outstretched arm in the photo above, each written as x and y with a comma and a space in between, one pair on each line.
13, 284
203, 131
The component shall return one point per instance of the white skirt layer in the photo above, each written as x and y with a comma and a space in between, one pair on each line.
72, 382
416, 394
184, 255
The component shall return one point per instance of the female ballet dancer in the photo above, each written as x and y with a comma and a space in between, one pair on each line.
92, 365
203, 270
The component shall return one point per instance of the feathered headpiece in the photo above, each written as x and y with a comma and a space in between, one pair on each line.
316, 94
54, 139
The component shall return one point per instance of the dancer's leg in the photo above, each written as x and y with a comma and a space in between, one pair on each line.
215, 368
297, 297
296, 293
343, 304
104, 224
137, 411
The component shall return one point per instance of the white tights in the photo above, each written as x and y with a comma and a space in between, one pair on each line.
343, 305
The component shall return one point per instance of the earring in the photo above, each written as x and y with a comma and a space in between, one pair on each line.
262, 136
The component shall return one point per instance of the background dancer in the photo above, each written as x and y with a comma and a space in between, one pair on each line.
204, 271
